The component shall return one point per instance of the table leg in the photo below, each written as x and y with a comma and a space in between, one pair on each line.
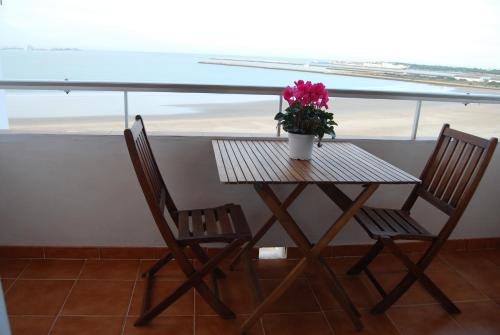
311, 253
269, 223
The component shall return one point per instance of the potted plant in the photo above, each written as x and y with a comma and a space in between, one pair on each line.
306, 117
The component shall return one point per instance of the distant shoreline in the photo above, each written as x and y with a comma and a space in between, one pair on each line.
288, 66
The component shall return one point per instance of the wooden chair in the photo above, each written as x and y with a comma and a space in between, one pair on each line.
449, 180
224, 224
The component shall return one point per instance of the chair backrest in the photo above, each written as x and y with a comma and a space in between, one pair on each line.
150, 178
453, 171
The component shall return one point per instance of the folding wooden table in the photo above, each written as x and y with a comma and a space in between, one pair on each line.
265, 162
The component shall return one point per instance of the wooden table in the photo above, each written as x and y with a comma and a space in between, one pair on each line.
265, 162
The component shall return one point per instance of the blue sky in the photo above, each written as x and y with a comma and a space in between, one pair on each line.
459, 33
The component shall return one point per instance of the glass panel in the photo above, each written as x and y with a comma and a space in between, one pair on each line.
367, 118
189, 113
55, 111
479, 119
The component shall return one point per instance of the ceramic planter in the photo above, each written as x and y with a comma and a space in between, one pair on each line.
300, 146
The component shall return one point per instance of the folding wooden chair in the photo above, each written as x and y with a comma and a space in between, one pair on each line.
224, 224
449, 180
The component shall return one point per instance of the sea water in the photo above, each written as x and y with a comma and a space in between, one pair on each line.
150, 67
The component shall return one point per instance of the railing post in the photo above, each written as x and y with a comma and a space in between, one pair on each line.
125, 106
278, 127
416, 118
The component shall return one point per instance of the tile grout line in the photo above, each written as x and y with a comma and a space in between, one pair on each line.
465, 277
16, 279
320, 307
393, 323
137, 274
67, 297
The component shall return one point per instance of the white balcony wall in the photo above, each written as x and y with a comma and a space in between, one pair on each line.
81, 190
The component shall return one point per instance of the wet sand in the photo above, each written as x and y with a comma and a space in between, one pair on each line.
356, 118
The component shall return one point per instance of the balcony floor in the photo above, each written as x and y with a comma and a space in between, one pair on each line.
103, 297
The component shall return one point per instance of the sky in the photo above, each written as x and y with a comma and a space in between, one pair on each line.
456, 33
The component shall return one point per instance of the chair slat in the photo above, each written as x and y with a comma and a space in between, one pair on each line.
442, 167
450, 169
459, 170
148, 165
365, 221
409, 224
427, 179
396, 221
383, 225
184, 224
210, 222
467, 175
225, 224
197, 222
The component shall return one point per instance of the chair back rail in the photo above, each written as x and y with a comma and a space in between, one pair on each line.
139, 147
453, 172
153, 187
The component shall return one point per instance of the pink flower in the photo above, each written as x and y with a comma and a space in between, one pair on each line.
288, 94
307, 94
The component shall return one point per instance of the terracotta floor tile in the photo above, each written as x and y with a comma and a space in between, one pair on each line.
373, 324
92, 297
274, 268
171, 271
128, 252
52, 269
382, 264
37, 297
87, 325
161, 289
480, 272
418, 320
359, 294
30, 325
451, 282
296, 324
214, 325
479, 318
340, 265
7, 283
110, 269
298, 298
234, 291
178, 325
11, 268
492, 255
72, 252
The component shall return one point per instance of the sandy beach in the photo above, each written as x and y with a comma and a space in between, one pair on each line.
356, 118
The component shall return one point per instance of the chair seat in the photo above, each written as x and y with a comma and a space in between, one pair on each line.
220, 224
391, 223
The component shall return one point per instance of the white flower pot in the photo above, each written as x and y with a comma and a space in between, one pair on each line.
300, 146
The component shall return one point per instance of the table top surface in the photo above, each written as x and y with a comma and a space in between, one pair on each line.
267, 161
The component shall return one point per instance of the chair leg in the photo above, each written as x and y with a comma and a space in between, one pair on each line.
158, 265
418, 273
214, 302
366, 259
202, 256
150, 314
194, 280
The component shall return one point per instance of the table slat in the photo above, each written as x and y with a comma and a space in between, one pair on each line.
254, 161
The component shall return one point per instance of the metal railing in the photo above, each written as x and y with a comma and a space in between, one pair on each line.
126, 87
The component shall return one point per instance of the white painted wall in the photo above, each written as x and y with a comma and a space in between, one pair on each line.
81, 190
